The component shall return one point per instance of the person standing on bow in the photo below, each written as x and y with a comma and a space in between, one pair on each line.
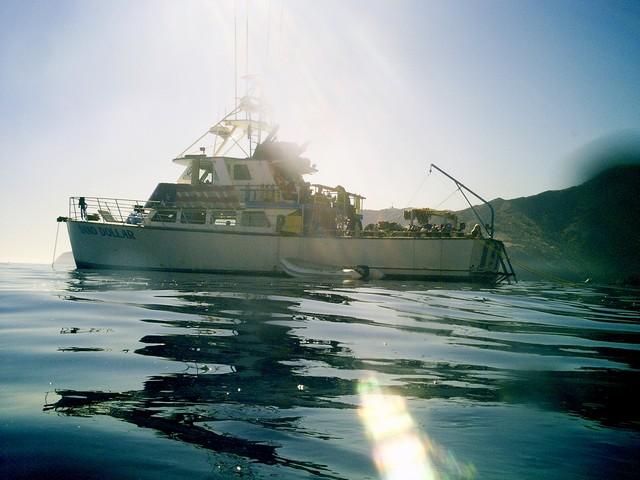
83, 208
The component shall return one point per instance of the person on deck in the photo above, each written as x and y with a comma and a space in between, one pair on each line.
344, 206
82, 204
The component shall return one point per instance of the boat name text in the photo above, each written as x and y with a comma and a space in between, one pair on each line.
107, 232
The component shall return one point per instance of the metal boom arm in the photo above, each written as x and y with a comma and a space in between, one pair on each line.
460, 185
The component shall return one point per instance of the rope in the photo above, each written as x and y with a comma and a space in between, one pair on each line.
448, 197
424, 179
55, 246
400, 216
413, 195
543, 275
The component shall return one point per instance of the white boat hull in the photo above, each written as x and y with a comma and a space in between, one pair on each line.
99, 245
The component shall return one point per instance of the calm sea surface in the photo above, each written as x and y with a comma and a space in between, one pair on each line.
158, 375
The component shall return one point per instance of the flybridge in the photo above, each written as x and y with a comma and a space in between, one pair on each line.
242, 150
236, 136
271, 164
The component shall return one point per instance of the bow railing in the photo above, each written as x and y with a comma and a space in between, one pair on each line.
109, 210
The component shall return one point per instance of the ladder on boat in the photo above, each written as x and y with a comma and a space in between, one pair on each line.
507, 272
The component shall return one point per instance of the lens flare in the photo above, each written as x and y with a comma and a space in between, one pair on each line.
400, 449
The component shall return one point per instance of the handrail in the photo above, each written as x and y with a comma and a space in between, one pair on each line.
461, 185
136, 212
108, 210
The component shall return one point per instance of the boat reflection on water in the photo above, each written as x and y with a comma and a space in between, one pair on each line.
238, 364
296, 375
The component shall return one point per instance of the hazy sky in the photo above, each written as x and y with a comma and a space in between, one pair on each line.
96, 97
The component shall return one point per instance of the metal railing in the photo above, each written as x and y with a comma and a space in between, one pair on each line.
109, 210
138, 212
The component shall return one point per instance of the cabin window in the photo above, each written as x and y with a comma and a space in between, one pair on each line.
197, 217
254, 219
241, 172
165, 216
206, 178
208, 175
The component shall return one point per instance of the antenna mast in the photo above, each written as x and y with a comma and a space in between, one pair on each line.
235, 54
246, 75
246, 71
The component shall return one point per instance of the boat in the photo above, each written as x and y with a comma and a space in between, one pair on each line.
296, 268
242, 205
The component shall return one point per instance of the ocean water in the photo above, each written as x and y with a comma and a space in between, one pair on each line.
158, 375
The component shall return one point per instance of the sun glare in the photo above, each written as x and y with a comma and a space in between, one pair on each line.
400, 449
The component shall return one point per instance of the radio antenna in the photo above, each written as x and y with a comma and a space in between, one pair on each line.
247, 49
266, 57
235, 53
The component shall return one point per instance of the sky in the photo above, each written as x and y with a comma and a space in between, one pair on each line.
97, 97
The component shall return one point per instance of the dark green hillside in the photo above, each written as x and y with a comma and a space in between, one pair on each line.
588, 231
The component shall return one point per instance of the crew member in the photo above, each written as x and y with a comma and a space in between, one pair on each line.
477, 231
83, 208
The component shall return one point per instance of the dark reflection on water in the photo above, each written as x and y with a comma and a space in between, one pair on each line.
263, 373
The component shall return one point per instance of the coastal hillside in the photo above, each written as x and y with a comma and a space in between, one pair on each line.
588, 231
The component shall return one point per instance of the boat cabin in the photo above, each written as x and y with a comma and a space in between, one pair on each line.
246, 181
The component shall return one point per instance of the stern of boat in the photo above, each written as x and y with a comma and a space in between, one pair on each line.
490, 262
